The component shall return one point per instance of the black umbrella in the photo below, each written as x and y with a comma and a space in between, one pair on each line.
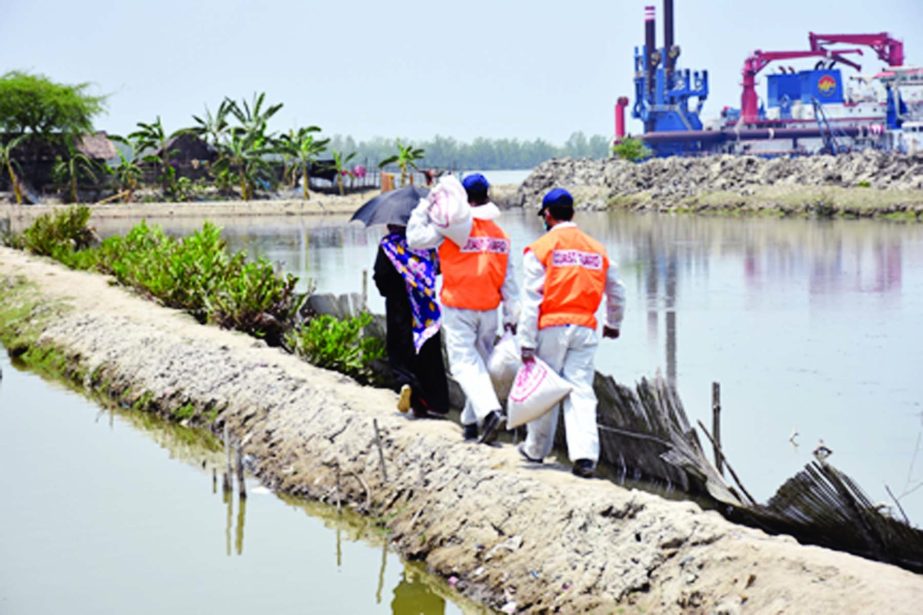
392, 207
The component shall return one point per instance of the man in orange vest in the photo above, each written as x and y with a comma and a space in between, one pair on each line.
476, 279
565, 275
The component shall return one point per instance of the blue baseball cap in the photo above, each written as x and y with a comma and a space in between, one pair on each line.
557, 197
475, 183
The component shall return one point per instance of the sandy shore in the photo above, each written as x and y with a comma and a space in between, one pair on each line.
524, 538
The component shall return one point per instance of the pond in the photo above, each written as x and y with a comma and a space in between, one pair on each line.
811, 327
116, 512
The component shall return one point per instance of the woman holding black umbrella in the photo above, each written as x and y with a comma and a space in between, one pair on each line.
407, 280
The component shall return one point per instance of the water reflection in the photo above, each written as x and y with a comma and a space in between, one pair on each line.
414, 596
136, 523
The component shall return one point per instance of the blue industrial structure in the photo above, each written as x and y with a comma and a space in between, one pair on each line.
669, 101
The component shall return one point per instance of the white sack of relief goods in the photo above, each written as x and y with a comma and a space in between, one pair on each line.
449, 210
503, 364
535, 391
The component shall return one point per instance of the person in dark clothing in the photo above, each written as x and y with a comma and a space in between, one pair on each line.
407, 281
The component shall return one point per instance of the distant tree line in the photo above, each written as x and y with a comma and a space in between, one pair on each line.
481, 153
229, 151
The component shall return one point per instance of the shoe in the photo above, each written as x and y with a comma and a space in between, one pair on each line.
584, 468
471, 432
403, 402
491, 426
521, 448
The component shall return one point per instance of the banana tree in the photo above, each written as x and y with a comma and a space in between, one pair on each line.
406, 160
253, 119
341, 162
67, 172
303, 149
213, 128
128, 174
152, 140
10, 164
243, 156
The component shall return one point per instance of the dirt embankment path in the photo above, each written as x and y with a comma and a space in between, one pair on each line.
523, 538
21, 216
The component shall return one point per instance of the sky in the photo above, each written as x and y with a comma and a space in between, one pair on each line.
413, 69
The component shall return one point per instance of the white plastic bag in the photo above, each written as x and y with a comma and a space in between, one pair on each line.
535, 391
449, 210
503, 364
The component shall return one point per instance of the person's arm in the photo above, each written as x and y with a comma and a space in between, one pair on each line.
421, 234
509, 292
384, 273
615, 303
533, 291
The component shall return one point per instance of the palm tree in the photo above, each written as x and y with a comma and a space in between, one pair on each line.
68, 171
406, 159
7, 161
341, 162
302, 147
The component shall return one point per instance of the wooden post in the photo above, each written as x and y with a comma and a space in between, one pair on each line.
716, 425
381, 454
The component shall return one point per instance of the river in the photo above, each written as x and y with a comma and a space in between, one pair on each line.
116, 512
811, 327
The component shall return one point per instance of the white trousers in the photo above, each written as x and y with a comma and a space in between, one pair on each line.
469, 340
569, 350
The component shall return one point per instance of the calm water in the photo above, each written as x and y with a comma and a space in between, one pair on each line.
117, 513
811, 327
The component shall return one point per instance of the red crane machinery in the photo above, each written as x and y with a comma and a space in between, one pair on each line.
889, 49
749, 104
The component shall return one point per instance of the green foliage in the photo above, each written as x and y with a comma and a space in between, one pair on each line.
59, 234
338, 344
151, 140
199, 275
68, 172
301, 149
631, 149
34, 104
864, 184
341, 163
406, 160
483, 154
9, 163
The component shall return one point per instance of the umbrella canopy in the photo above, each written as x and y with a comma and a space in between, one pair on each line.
391, 207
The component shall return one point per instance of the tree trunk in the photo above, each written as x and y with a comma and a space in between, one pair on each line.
306, 180
14, 181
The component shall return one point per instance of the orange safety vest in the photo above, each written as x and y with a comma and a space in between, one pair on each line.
575, 277
473, 274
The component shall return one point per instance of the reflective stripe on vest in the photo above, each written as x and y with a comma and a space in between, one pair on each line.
473, 273
575, 277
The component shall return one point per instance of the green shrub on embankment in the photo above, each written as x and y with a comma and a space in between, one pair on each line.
338, 344
198, 274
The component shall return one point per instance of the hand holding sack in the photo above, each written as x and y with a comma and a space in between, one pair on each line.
536, 390
503, 364
449, 210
